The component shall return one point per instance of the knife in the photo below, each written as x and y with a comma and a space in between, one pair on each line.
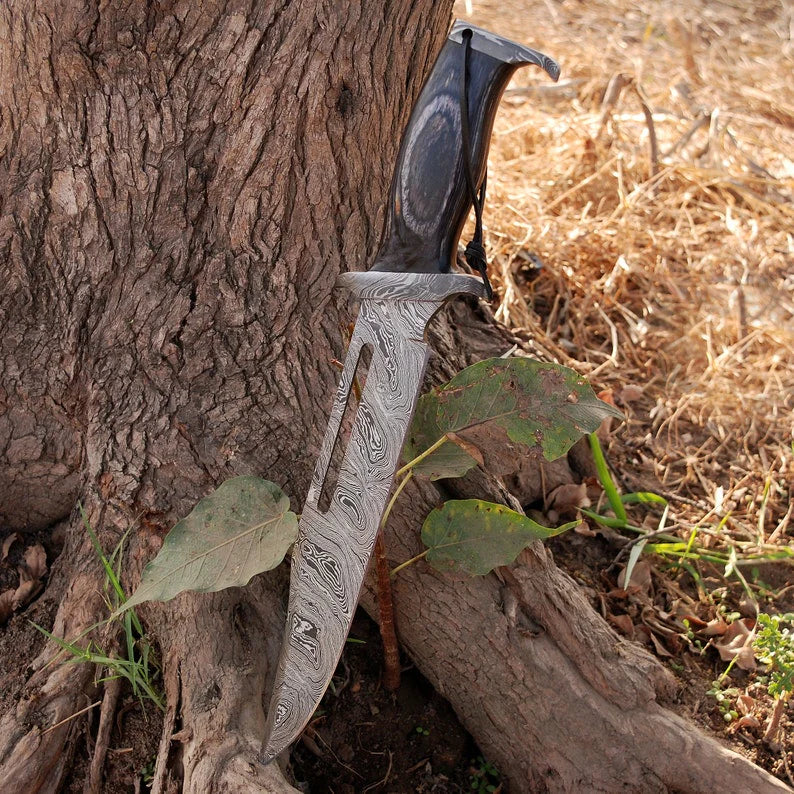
440, 169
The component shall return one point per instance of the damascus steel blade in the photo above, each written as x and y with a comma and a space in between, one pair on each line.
333, 549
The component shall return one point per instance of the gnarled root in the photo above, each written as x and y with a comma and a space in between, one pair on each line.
219, 651
35, 755
553, 697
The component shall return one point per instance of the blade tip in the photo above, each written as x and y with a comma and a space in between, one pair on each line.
269, 753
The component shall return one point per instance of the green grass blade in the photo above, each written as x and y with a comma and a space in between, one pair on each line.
607, 483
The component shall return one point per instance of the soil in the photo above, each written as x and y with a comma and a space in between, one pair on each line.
363, 738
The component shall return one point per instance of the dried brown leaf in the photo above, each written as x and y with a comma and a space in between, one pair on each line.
715, 628
26, 592
569, 497
748, 721
8, 542
6, 606
737, 643
36, 561
623, 623
657, 644
745, 704
640, 578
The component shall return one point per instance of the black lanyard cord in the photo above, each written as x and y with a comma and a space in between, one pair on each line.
475, 251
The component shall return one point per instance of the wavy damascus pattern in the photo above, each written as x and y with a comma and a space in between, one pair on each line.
333, 549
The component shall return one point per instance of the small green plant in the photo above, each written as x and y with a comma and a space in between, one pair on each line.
774, 647
726, 699
147, 773
484, 777
694, 642
137, 662
681, 554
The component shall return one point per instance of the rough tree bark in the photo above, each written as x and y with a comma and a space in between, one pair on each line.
181, 182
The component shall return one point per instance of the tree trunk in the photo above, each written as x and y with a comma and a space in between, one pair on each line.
181, 182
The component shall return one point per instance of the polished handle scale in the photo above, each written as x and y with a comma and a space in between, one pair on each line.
430, 199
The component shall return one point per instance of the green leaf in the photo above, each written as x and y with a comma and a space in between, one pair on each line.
542, 407
241, 529
476, 536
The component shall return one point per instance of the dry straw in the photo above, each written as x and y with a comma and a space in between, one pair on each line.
654, 185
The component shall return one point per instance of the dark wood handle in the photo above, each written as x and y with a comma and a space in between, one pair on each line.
429, 196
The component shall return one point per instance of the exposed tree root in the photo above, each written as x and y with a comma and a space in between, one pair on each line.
33, 758
553, 696
219, 650
93, 783
160, 777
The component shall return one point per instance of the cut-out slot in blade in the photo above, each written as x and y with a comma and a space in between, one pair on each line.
348, 420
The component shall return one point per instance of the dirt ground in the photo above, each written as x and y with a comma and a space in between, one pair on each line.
663, 272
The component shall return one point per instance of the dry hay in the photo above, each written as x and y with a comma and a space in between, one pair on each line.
666, 272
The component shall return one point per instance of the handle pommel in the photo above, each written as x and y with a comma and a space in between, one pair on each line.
503, 49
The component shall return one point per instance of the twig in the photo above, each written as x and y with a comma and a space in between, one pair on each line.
330, 749
412, 769
781, 527
391, 651
654, 533
171, 686
701, 121
384, 780
93, 784
71, 717
612, 358
652, 140
614, 88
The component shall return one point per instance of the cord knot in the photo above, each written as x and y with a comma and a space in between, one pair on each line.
475, 256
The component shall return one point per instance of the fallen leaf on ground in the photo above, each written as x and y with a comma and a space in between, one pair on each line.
747, 721
27, 591
745, 704
567, 498
737, 642
6, 606
8, 542
623, 623
640, 578
607, 395
642, 633
36, 561
657, 644
716, 627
